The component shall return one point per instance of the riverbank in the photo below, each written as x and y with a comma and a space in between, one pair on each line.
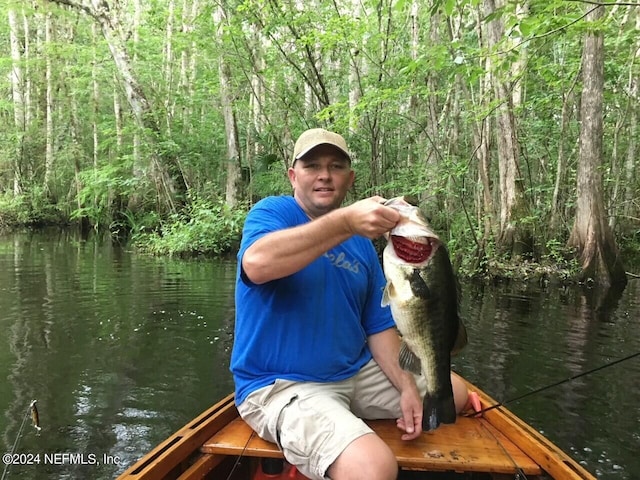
213, 230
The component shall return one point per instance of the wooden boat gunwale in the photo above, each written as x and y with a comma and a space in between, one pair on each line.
183, 455
545, 453
184, 444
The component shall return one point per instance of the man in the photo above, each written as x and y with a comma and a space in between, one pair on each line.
314, 351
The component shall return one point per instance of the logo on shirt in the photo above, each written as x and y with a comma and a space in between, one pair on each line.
340, 261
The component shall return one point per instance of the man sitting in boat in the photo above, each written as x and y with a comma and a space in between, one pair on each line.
314, 351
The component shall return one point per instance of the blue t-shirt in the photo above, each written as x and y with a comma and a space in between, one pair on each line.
312, 325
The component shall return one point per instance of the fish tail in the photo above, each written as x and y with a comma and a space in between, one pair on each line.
437, 410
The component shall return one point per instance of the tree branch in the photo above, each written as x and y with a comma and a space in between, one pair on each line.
607, 4
77, 5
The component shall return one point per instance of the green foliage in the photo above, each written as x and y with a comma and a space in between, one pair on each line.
630, 248
415, 109
205, 227
31, 208
100, 191
270, 181
135, 225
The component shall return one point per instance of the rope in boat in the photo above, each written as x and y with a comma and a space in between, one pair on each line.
18, 437
547, 387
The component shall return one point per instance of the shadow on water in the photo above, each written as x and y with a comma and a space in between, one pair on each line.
121, 350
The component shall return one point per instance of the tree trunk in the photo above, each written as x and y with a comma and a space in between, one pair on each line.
630, 163
138, 167
558, 193
355, 68
188, 65
49, 158
168, 67
513, 237
591, 236
232, 191
28, 97
634, 96
95, 101
18, 95
481, 134
482, 142
518, 68
256, 128
432, 129
118, 121
77, 155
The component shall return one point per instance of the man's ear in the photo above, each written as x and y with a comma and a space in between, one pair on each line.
292, 176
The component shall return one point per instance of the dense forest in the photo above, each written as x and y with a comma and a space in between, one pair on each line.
515, 123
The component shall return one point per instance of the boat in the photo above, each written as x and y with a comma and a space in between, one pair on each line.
492, 445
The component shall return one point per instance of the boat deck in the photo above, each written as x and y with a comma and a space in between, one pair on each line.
496, 446
472, 445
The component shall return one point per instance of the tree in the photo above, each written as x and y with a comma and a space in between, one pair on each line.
471, 106
231, 127
514, 236
18, 95
145, 115
591, 235
49, 163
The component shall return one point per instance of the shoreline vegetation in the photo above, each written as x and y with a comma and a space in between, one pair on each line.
213, 230
160, 122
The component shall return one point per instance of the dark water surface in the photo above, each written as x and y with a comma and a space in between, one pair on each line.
121, 350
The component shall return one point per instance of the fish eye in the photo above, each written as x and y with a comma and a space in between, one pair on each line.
411, 200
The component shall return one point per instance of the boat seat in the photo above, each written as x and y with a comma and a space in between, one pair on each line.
472, 445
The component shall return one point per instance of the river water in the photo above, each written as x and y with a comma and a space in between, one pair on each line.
121, 350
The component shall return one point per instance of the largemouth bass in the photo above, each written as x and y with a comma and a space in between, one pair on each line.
423, 294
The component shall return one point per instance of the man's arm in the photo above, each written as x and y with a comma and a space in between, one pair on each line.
284, 252
385, 348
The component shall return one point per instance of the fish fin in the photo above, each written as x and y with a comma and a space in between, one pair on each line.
474, 403
437, 410
419, 287
409, 361
461, 339
386, 296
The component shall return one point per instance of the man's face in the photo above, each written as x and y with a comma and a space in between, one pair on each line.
321, 180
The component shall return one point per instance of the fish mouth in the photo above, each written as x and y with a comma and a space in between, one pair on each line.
413, 250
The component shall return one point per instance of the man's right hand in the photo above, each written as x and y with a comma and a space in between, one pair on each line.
370, 218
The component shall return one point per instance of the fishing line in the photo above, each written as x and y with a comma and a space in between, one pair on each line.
246, 445
547, 387
15, 444
519, 473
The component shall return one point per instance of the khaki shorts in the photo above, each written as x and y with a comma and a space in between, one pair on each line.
313, 423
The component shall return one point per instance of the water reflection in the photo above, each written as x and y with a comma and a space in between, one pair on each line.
523, 339
121, 350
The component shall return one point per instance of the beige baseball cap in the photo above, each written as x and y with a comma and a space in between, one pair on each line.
315, 137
